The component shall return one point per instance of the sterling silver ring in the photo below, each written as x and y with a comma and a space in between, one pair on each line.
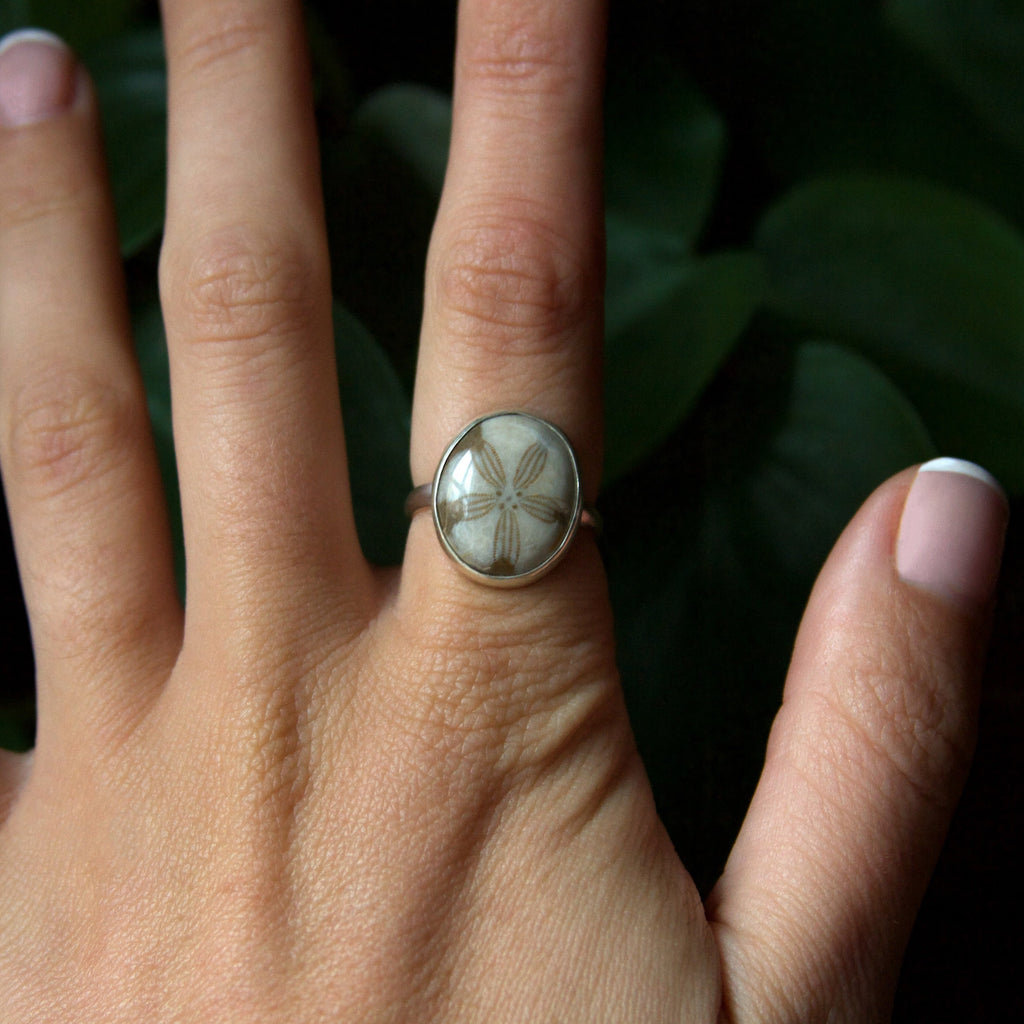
506, 499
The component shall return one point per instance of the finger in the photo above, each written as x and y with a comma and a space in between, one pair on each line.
13, 775
81, 476
867, 757
246, 294
513, 300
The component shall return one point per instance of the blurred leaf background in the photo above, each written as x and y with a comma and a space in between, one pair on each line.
815, 220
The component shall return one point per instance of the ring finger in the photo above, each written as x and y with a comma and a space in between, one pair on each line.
513, 311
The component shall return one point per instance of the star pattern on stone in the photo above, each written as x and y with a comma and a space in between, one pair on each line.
509, 496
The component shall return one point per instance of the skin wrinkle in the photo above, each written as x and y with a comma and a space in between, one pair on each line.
788, 901
884, 756
517, 48
48, 199
594, 807
71, 441
925, 739
38, 203
762, 993
557, 711
859, 763
240, 33
507, 807
873, 870
454, 613
241, 286
483, 706
67, 428
525, 53
72, 579
507, 280
421, 736
524, 869
450, 733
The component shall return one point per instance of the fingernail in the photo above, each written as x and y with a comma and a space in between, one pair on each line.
37, 77
951, 533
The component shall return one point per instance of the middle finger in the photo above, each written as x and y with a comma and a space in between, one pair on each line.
246, 291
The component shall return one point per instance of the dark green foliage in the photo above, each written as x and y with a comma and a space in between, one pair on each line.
81, 24
131, 80
926, 282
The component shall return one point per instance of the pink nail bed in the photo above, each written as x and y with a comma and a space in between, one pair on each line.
951, 533
37, 77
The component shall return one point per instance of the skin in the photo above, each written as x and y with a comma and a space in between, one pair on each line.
328, 793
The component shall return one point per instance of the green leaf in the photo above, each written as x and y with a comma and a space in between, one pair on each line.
382, 184
79, 24
833, 88
712, 550
846, 428
131, 81
377, 419
926, 283
663, 150
979, 47
414, 123
668, 330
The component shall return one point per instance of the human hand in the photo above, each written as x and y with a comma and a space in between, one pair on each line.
332, 793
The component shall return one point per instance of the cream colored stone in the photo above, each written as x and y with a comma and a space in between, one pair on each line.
507, 496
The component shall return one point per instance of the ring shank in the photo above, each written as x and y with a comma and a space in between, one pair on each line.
419, 498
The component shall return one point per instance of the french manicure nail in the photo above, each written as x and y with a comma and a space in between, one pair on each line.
38, 77
951, 533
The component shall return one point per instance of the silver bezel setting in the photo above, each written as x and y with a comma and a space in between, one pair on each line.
524, 578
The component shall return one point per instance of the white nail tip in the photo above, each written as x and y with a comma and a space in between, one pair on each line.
964, 468
30, 35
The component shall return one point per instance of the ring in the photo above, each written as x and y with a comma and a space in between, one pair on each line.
506, 499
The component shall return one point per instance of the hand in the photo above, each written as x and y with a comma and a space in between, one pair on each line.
325, 792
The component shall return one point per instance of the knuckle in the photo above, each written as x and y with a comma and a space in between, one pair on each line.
513, 285
241, 286
237, 28
67, 428
518, 51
